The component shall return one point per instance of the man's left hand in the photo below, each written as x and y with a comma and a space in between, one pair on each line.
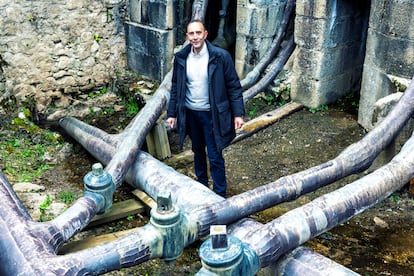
238, 122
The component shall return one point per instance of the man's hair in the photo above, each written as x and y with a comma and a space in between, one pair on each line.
196, 21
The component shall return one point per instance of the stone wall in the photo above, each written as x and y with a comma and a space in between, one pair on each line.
389, 62
330, 37
257, 24
152, 32
54, 52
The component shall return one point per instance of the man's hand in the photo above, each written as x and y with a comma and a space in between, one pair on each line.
238, 122
171, 122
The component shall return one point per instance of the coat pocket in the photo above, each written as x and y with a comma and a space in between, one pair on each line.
224, 118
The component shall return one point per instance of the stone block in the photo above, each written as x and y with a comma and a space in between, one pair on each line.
249, 51
257, 3
375, 85
314, 92
158, 14
330, 8
315, 8
390, 53
319, 33
149, 50
393, 18
381, 109
327, 64
254, 21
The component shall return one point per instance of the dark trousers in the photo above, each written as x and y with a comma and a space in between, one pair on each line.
200, 129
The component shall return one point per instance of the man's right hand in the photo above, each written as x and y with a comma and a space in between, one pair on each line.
171, 122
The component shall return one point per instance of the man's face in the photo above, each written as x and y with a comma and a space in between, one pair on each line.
196, 35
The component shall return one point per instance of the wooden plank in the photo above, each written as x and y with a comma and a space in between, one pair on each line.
117, 211
157, 140
181, 159
146, 199
266, 119
162, 145
151, 144
249, 128
78, 245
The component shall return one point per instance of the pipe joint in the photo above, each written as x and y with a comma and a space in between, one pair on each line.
98, 184
167, 218
223, 254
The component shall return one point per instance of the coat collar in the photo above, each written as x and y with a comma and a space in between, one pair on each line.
182, 55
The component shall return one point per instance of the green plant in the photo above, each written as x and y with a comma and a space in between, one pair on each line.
253, 111
23, 147
108, 110
102, 91
132, 107
395, 197
97, 38
30, 17
281, 103
400, 87
270, 99
44, 205
130, 217
66, 197
109, 15
323, 107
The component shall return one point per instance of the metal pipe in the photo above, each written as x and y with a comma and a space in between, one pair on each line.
210, 217
297, 262
134, 136
205, 218
255, 73
355, 158
275, 68
322, 214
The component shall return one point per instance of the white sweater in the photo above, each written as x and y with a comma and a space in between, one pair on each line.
197, 81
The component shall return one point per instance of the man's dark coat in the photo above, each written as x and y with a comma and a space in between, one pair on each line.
225, 94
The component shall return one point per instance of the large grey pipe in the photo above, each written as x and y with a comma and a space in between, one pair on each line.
142, 178
322, 214
208, 215
355, 158
274, 49
300, 261
2, 226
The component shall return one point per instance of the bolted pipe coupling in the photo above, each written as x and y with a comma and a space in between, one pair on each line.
168, 220
223, 254
99, 185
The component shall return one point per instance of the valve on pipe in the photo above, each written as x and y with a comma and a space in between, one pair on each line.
167, 219
98, 184
223, 254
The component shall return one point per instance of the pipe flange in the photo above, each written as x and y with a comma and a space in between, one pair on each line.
222, 257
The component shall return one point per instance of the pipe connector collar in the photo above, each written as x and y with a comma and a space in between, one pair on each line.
99, 183
222, 259
224, 254
168, 220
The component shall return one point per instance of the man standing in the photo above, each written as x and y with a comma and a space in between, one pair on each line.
206, 102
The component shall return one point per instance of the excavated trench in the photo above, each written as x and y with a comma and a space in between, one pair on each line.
376, 242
